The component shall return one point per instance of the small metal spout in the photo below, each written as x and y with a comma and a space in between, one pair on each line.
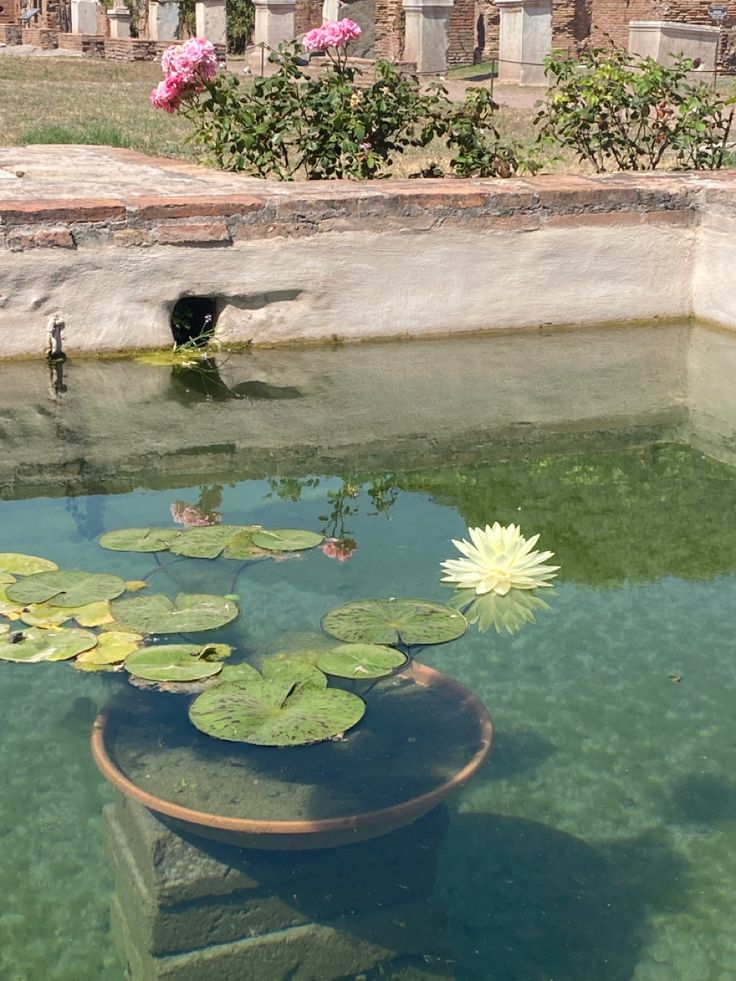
55, 329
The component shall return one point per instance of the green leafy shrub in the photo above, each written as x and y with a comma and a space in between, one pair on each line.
290, 125
619, 111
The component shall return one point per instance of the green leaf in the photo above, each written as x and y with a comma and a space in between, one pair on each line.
241, 545
66, 588
47, 615
112, 648
139, 539
360, 661
239, 673
190, 612
204, 543
275, 713
172, 662
37, 644
294, 669
407, 621
19, 564
285, 539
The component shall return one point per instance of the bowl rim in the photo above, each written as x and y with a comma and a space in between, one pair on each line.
394, 815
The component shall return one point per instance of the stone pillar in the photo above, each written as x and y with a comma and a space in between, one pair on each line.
333, 10
163, 20
84, 16
525, 40
427, 34
119, 19
663, 40
274, 24
211, 20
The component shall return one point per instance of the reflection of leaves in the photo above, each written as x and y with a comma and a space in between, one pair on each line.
509, 612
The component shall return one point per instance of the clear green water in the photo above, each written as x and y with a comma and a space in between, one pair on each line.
599, 842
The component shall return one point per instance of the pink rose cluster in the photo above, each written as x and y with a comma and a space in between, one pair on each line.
333, 34
186, 67
338, 548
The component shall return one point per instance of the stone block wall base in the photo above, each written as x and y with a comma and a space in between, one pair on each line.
89, 45
40, 37
190, 910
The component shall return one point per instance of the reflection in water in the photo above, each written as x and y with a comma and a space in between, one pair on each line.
201, 381
509, 612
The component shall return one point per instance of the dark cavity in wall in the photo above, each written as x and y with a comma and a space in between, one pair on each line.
193, 320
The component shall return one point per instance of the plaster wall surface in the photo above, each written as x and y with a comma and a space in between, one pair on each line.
301, 263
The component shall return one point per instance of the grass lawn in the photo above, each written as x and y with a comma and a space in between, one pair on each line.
75, 100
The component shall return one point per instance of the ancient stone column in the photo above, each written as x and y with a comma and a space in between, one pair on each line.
119, 20
274, 24
163, 20
84, 16
664, 40
211, 20
525, 40
427, 34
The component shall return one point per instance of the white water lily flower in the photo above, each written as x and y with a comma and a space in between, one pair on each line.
499, 559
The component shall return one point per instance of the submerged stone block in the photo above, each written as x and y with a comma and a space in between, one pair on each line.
188, 909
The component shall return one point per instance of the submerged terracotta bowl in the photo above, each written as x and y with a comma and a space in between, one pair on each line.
325, 833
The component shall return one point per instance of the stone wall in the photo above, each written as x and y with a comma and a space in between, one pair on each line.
582, 22
141, 233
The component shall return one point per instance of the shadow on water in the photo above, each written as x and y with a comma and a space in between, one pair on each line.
704, 800
517, 752
202, 382
529, 903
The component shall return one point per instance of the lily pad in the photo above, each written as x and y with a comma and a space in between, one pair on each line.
285, 539
294, 669
172, 662
25, 565
241, 545
138, 539
6, 578
405, 621
203, 543
190, 612
360, 661
66, 588
36, 644
46, 615
9, 608
112, 648
239, 673
275, 713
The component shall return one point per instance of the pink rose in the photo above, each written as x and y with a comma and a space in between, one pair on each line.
338, 548
192, 516
332, 34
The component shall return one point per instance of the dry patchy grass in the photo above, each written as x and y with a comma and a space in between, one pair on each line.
75, 100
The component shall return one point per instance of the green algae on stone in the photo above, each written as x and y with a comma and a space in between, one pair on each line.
394, 621
188, 613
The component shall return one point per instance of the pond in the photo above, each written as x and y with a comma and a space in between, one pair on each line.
599, 840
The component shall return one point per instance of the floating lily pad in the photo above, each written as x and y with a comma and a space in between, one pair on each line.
406, 621
241, 545
172, 662
46, 615
36, 644
25, 565
360, 661
285, 539
66, 588
157, 614
294, 669
4, 629
203, 543
9, 608
275, 713
133, 585
6, 578
138, 539
239, 673
112, 648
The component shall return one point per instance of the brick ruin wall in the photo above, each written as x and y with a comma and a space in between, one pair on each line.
577, 23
